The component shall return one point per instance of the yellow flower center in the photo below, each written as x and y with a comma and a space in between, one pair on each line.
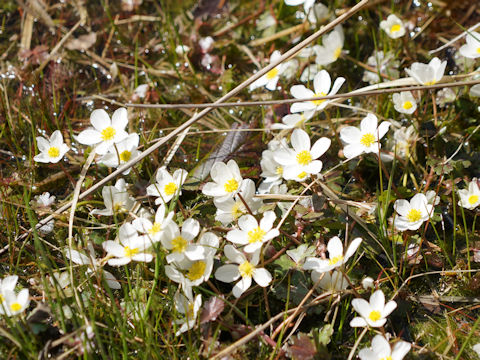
279, 170
367, 139
433, 82
170, 188
196, 270
190, 311
337, 53
304, 157
472, 199
179, 244
318, 102
125, 155
256, 235
407, 105
335, 260
117, 207
395, 28
478, 50
237, 210
386, 358
156, 228
108, 133
2, 299
246, 269
414, 215
15, 306
231, 185
375, 315
272, 73
130, 252
53, 152
302, 175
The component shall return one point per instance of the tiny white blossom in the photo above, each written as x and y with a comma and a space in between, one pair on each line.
331, 48
404, 102
226, 180
120, 153
167, 186
393, 26
412, 214
14, 303
154, 230
116, 199
364, 139
427, 74
373, 313
189, 308
470, 198
272, 171
381, 350
367, 283
181, 244
51, 150
292, 121
471, 49
44, 200
270, 79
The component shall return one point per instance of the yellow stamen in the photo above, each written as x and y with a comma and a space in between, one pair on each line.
156, 228
472, 199
407, 105
196, 270
318, 102
335, 260
130, 252
367, 139
279, 170
433, 82
108, 133
256, 235
179, 244
125, 155
375, 315
246, 269
395, 28
414, 215
231, 185
478, 50
170, 188
53, 152
304, 157
15, 306
337, 53
2, 299
302, 175
272, 73
237, 210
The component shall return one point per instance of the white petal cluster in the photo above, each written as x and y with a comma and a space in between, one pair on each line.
167, 186
471, 49
427, 74
227, 180
373, 313
51, 150
393, 26
116, 199
404, 102
412, 214
189, 308
120, 153
470, 197
12, 303
381, 349
331, 48
270, 79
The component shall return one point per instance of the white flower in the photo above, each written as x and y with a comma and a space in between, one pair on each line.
116, 199
403, 140
290, 68
367, 283
53, 150
129, 248
154, 231
141, 90
181, 244
307, 4
227, 180
383, 64
206, 44
470, 198
13, 303
321, 84
336, 256
373, 313
44, 200
331, 281
232, 208
270, 79
245, 269
404, 102
427, 74
272, 171
331, 47
253, 234
192, 273
120, 153
300, 162
364, 139
93, 264
412, 214
167, 186
476, 348
189, 308
182, 49
292, 121
105, 132
381, 350
472, 48
393, 26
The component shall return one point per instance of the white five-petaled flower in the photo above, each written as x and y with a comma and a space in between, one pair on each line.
14, 303
130, 247
154, 230
336, 256
243, 268
321, 84
7, 285
381, 350
189, 308
272, 171
270, 79
404, 102
470, 198
120, 153
364, 139
393, 26
301, 161
116, 199
105, 132
292, 121
472, 48
412, 214
180, 242
373, 313
253, 234
231, 209
427, 74
44, 200
52, 150
227, 180
167, 186
331, 47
